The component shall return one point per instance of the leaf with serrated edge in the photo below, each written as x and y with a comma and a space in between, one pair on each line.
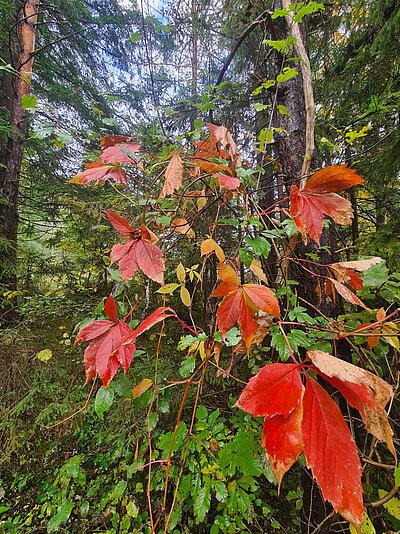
256, 269
116, 154
173, 175
363, 390
119, 224
185, 296
331, 453
347, 294
208, 246
283, 442
275, 390
110, 309
99, 174
332, 179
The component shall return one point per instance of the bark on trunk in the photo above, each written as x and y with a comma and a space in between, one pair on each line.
13, 88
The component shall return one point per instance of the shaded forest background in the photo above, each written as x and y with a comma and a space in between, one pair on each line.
161, 72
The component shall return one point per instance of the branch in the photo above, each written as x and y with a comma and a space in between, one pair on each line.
392, 493
234, 50
305, 68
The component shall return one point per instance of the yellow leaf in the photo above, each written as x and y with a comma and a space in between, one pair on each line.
366, 528
44, 355
209, 245
168, 289
392, 506
256, 269
202, 201
185, 297
141, 387
180, 273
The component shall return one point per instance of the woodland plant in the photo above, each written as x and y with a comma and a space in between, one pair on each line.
300, 416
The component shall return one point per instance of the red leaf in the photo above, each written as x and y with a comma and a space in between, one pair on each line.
111, 140
173, 175
228, 311
307, 211
99, 175
105, 354
139, 252
283, 442
119, 224
263, 298
275, 390
318, 197
331, 453
93, 330
156, 317
110, 309
228, 182
347, 294
363, 390
115, 153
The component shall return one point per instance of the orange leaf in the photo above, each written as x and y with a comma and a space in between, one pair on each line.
318, 197
345, 271
141, 388
183, 227
331, 453
211, 168
332, 179
99, 175
208, 246
222, 135
173, 175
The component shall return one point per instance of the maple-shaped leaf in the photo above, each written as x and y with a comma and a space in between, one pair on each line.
139, 252
318, 197
99, 174
363, 390
211, 168
331, 453
275, 390
104, 355
111, 140
283, 441
208, 149
173, 175
222, 135
348, 271
228, 182
240, 304
119, 153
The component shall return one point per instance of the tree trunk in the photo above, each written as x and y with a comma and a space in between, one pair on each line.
13, 88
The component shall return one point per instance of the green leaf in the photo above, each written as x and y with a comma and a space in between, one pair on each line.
282, 45
232, 337
392, 506
397, 475
29, 102
103, 401
153, 420
266, 85
282, 109
119, 490
261, 107
134, 38
221, 492
307, 9
201, 413
122, 386
259, 245
164, 442
376, 275
287, 74
202, 503
245, 256
168, 289
239, 455
62, 515
187, 367
279, 13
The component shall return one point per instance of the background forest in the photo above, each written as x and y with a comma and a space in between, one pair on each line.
162, 448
